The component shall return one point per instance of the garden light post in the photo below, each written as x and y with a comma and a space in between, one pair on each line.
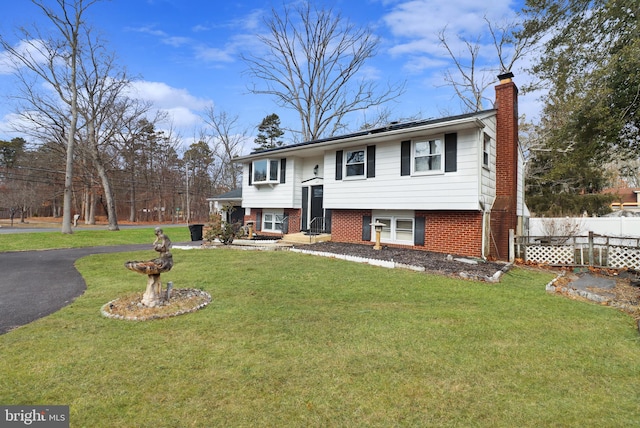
378, 226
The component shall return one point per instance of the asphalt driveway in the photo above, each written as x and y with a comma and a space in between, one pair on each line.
34, 284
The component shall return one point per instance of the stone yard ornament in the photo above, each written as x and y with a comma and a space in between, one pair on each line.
153, 268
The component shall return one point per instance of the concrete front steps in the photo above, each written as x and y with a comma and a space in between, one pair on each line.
301, 238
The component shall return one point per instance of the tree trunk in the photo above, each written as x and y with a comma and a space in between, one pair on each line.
104, 178
68, 178
91, 217
71, 136
132, 199
111, 206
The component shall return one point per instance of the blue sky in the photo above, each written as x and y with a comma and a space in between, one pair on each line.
186, 53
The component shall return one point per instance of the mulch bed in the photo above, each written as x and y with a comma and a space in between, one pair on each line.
432, 262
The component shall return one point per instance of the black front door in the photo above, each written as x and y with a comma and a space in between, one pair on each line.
316, 208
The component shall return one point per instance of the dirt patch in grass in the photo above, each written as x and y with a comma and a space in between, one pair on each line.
625, 294
182, 301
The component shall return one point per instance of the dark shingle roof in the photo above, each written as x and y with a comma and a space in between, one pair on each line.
233, 194
391, 127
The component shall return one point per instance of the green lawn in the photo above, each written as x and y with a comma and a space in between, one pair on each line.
297, 340
88, 238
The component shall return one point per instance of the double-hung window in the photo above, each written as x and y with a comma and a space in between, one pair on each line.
396, 229
266, 171
355, 163
272, 222
486, 150
427, 156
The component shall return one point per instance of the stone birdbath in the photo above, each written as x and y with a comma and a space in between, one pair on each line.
153, 295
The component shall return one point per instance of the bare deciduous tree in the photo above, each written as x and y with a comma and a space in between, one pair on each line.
469, 81
312, 65
227, 141
102, 93
54, 60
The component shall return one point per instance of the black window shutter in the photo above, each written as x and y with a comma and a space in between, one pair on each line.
327, 221
283, 170
418, 232
405, 158
366, 228
250, 173
305, 206
450, 152
371, 161
339, 165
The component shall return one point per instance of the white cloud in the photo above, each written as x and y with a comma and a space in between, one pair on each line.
208, 54
418, 64
8, 124
164, 37
424, 18
30, 49
183, 117
181, 106
415, 24
163, 95
251, 21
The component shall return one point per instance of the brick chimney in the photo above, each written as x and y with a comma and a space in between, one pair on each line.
504, 210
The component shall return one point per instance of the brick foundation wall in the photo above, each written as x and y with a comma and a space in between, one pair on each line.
346, 225
294, 219
453, 232
448, 232
501, 221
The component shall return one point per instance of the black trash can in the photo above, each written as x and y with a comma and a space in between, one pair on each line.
196, 231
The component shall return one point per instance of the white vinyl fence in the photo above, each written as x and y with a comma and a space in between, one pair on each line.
609, 226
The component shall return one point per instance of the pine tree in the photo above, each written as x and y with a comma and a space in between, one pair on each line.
269, 133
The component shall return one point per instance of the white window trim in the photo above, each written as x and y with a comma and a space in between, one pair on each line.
362, 176
393, 219
413, 155
277, 219
486, 150
268, 175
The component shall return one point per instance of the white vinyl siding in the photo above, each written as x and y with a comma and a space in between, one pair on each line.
273, 195
283, 195
488, 172
457, 190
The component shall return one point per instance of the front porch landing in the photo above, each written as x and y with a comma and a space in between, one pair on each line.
302, 238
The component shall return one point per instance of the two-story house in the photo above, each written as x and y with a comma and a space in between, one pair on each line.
451, 185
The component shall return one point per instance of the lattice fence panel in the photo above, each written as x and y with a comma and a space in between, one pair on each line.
621, 257
550, 254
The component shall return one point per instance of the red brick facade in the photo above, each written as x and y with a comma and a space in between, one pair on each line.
449, 232
294, 219
453, 232
346, 225
293, 215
